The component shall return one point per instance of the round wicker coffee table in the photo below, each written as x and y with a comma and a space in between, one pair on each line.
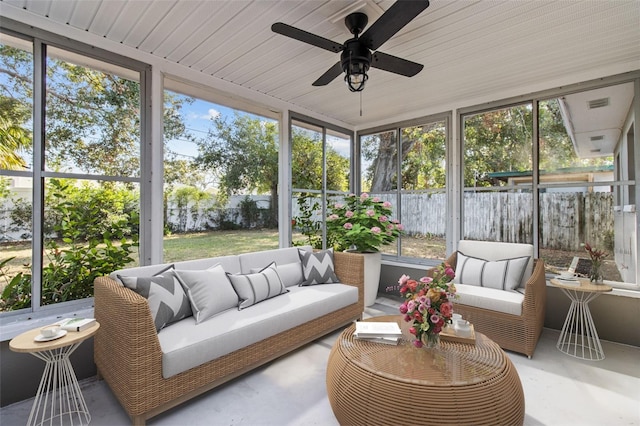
377, 384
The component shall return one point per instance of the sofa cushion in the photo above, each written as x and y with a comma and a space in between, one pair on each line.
209, 291
167, 300
261, 259
290, 274
254, 288
186, 344
504, 274
229, 263
508, 302
318, 267
287, 261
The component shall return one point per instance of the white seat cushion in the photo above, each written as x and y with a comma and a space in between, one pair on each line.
186, 345
508, 302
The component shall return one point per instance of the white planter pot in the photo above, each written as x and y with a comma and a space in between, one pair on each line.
372, 263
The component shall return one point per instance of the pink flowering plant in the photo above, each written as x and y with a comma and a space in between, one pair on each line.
428, 303
361, 223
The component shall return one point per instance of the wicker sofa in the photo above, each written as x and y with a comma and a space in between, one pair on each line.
129, 353
512, 318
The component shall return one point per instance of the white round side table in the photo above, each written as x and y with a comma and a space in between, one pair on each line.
58, 395
579, 337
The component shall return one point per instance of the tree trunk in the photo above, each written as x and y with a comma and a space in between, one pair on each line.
272, 222
385, 177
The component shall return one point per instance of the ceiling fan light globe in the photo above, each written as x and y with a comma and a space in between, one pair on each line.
356, 82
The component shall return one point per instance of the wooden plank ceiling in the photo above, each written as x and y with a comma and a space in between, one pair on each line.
470, 49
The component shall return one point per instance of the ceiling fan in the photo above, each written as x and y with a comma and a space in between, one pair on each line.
357, 57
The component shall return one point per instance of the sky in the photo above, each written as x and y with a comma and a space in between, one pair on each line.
197, 118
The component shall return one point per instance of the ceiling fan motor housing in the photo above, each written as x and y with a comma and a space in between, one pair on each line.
355, 58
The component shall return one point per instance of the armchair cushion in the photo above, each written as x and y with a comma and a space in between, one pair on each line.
491, 250
508, 302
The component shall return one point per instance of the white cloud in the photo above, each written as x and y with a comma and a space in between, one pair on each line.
213, 113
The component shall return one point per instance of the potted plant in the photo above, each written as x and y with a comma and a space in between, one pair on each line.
363, 224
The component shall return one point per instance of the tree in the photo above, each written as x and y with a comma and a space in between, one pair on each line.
497, 141
243, 153
306, 163
422, 150
15, 137
15, 107
92, 117
423, 164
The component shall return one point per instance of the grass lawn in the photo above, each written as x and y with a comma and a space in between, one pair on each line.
199, 245
217, 243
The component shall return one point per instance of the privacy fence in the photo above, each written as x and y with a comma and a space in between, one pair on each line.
567, 219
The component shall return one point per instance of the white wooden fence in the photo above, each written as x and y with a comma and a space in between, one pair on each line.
567, 219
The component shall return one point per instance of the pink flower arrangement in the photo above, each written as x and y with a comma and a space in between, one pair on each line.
428, 302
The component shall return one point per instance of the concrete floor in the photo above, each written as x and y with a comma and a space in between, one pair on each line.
559, 390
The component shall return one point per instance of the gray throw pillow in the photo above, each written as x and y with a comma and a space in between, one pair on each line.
254, 288
504, 274
209, 291
317, 267
167, 300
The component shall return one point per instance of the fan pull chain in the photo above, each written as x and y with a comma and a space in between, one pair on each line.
360, 103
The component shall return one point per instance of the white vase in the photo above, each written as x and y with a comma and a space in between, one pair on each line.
372, 263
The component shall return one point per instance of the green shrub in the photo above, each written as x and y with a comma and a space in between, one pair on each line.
86, 249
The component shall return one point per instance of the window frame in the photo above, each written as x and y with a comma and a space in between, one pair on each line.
324, 192
535, 99
40, 39
397, 127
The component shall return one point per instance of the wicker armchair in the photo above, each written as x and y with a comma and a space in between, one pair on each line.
512, 332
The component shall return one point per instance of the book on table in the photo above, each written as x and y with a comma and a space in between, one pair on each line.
76, 324
370, 329
385, 340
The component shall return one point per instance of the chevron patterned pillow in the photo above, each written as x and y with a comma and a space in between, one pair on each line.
167, 300
318, 267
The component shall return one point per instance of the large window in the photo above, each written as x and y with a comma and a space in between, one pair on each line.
579, 189
220, 179
70, 131
498, 153
418, 191
320, 174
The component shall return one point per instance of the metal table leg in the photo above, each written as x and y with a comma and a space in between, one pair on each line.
579, 337
59, 395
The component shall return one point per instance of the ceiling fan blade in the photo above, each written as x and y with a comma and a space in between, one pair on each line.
392, 21
395, 65
306, 37
329, 75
